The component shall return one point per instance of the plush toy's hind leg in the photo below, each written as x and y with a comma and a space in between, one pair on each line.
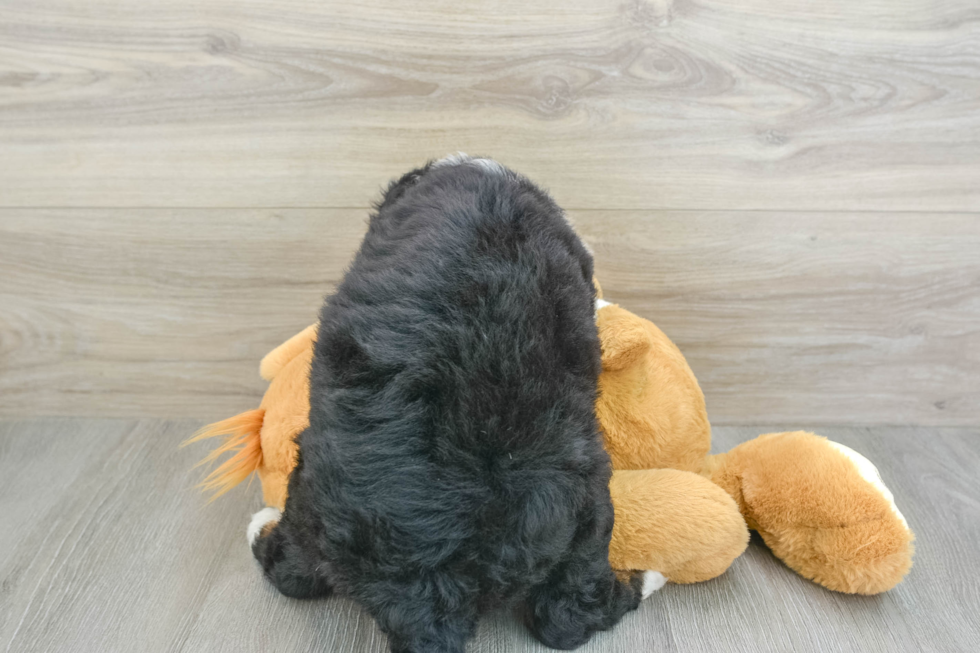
295, 571
821, 508
583, 596
676, 522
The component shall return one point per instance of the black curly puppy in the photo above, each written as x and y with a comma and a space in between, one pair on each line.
453, 460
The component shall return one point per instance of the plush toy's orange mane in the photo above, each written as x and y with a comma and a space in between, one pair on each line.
280, 417
242, 435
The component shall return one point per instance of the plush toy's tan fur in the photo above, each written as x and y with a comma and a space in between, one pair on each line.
674, 522
287, 410
816, 512
678, 511
650, 405
805, 495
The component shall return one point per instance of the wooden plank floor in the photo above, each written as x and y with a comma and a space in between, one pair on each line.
106, 546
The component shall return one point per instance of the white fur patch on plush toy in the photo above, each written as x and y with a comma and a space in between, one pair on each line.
652, 581
259, 521
600, 303
869, 473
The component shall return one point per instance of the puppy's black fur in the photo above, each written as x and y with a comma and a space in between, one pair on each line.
453, 460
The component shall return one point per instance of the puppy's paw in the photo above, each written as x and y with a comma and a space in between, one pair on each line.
260, 520
652, 581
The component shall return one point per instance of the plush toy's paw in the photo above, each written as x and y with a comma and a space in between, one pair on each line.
678, 523
652, 581
822, 509
260, 520
869, 473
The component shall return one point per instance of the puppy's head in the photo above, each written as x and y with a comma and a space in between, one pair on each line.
397, 188
458, 179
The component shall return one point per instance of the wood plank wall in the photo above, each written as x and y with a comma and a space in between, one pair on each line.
790, 190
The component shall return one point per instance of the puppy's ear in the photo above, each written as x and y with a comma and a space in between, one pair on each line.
598, 288
622, 336
398, 187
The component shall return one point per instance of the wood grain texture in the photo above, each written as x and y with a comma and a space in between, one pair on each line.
165, 313
798, 317
808, 317
107, 547
644, 104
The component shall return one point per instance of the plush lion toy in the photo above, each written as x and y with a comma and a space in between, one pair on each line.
818, 505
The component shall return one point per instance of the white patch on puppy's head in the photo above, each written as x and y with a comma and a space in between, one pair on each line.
461, 158
259, 521
452, 160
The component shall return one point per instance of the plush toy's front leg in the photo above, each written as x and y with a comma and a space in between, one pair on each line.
821, 508
674, 522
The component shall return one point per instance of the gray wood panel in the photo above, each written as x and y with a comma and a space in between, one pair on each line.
808, 317
106, 546
784, 317
709, 104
